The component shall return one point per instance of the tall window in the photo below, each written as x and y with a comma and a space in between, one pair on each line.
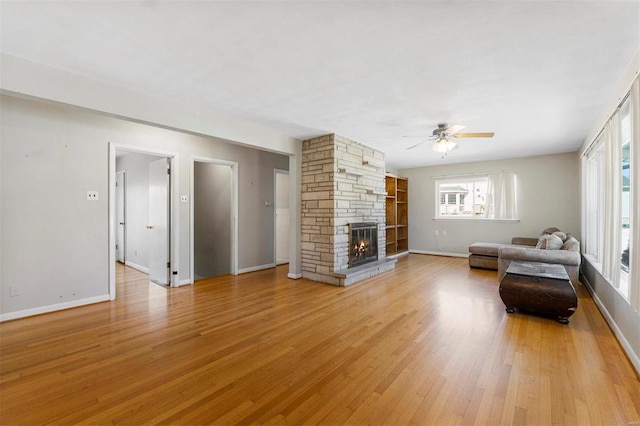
608, 213
594, 203
625, 205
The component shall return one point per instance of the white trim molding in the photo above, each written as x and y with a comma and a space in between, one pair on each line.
52, 308
628, 349
471, 219
174, 244
256, 268
439, 253
137, 267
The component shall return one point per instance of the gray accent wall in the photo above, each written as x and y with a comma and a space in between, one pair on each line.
54, 243
547, 192
212, 219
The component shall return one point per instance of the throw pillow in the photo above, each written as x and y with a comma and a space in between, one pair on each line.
549, 242
562, 235
549, 230
571, 244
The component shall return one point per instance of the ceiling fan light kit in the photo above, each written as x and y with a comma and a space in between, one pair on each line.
444, 134
444, 145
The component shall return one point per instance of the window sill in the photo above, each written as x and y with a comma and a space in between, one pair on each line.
472, 219
594, 263
622, 290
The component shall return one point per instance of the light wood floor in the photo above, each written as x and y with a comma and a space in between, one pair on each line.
428, 343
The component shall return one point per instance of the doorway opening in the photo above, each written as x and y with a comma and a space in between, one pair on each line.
214, 209
281, 216
142, 232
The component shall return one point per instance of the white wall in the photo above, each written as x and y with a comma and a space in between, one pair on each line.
50, 232
547, 196
136, 207
55, 243
29, 79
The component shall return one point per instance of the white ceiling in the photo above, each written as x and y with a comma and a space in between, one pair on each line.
537, 73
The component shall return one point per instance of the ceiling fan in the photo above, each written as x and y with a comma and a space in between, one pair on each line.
443, 137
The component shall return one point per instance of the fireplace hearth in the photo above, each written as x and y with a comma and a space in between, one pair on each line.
363, 243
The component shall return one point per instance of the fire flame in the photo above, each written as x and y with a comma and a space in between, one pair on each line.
361, 248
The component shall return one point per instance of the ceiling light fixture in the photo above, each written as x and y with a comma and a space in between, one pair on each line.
444, 145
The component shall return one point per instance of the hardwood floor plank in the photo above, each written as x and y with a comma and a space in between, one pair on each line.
426, 343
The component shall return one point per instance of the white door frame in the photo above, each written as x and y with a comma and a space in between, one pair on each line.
174, 217
276, 172
234, 211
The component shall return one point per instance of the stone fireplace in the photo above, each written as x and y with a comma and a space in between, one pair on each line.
343, 184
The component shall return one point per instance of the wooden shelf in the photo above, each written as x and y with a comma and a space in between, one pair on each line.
397, 214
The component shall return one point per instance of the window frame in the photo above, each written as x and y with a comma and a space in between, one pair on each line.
595, 170
603, 189
440, 181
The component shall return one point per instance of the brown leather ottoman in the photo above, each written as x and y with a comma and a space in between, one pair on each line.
539, 287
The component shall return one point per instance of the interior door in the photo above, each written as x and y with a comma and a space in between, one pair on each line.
120, 216
158, 226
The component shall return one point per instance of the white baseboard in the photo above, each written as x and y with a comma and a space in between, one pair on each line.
439, 253
633, 357
398, 255
256, 268
52, 308
294, 276
184, 282
136, 266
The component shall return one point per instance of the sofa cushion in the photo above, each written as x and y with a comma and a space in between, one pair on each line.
571, 244
524, 241
549, 242
485, 249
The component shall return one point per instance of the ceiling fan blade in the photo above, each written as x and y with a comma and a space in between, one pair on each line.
454, 129
474, 135
417, 145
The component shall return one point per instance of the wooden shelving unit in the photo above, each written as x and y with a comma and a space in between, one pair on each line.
397, 213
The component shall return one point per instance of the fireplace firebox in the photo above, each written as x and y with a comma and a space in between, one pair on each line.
363, 243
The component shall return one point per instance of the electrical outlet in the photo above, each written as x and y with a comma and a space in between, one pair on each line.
444, 233
14, 290
92, 195
184, 199
436, 232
